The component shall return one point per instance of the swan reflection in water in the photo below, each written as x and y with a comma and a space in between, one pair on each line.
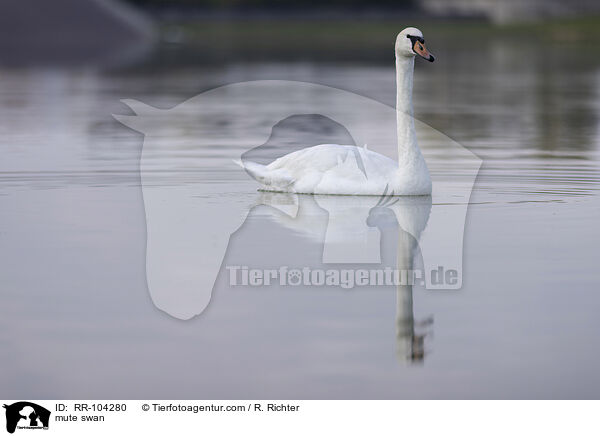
371, 233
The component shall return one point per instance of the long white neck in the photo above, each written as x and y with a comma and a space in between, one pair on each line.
408, 148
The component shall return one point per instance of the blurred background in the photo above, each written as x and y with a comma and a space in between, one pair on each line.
517, 82
524, 57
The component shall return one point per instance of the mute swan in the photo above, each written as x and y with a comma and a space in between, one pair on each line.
350, 170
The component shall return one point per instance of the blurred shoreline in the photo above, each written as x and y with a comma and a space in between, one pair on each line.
148, 36
358, 39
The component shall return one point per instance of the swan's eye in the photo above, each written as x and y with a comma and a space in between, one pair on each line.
415, 39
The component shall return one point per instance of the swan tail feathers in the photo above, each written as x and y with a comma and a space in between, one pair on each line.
266, 176
238, 162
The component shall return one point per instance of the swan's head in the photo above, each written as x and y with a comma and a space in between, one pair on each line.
410, 42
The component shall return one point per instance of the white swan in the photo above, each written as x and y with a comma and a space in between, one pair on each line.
350, 170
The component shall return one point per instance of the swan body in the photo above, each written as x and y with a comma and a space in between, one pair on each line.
350, 170
341, 170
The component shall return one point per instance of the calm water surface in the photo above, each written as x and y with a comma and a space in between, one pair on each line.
78, 321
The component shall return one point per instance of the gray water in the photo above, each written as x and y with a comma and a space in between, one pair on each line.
77, 318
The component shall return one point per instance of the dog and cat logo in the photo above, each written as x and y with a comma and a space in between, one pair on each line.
24, 415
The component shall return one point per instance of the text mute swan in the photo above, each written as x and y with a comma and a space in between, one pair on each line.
350, 170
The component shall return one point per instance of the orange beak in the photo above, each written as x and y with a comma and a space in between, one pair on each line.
420, 49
